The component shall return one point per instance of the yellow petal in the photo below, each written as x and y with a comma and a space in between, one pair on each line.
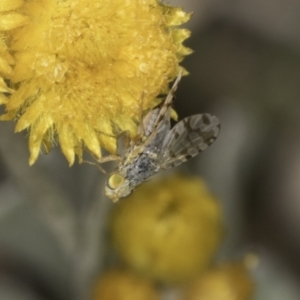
4, 88
107, 137
5, 68
180, 35
37, 133
175, 16
6, 5
67, 142
5, 54
3, 99
8, 116
88, 137
24, 68
182, 50
34, 112
12, 21
18, 99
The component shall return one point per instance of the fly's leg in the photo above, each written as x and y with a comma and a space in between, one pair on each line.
108, 158
123, 141
94, 164
141, 124
102, 160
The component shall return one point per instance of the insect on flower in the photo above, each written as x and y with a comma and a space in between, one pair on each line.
158, 147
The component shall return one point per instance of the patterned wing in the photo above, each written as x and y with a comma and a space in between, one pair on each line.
148, 122
187, 138
163, 117
156, 124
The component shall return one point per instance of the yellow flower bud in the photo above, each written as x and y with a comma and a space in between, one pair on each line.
168, 229
123, 285
229, 281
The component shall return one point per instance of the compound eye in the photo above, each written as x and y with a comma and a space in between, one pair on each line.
115, 181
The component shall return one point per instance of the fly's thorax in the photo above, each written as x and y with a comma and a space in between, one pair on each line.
117, 186
142, 167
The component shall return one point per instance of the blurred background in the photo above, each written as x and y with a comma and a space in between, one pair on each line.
245, 69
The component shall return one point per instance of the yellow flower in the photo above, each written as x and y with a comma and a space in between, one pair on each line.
81, 68
169, 230
8, 20
117, 284
229, 281
5, 69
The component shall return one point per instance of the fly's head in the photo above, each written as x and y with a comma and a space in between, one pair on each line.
117, 186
